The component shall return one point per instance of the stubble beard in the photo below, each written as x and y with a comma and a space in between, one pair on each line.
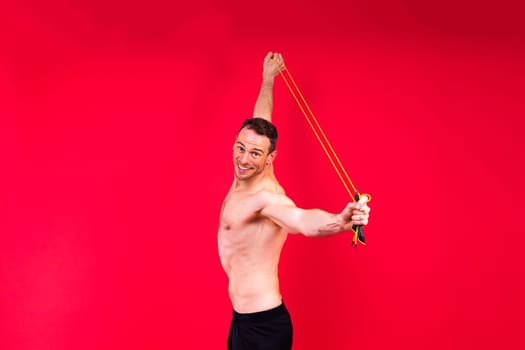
253, 172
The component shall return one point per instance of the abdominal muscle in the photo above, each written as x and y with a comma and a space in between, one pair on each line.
254, 292
252, 269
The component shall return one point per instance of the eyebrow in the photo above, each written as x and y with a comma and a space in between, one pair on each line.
253, 149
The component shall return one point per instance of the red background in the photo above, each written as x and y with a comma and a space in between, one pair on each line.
117, 120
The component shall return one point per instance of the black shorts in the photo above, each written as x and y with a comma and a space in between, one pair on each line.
265, 330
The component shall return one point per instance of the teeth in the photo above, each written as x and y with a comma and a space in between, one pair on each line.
240, 167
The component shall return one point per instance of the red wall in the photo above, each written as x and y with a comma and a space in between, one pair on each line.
117, 120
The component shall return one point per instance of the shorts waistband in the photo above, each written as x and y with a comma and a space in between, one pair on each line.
261, 316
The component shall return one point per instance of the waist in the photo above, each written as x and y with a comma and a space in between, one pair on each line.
255, 292
262, 316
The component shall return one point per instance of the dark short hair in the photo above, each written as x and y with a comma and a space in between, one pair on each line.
262, 127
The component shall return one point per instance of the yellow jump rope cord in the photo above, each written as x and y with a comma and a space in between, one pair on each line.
318, 134
309, 118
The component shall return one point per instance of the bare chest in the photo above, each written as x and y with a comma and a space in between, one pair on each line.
237, 212
238, 224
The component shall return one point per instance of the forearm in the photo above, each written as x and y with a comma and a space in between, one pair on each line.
264, 104
319, 223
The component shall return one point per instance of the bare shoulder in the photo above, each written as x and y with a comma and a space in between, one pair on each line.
268, 198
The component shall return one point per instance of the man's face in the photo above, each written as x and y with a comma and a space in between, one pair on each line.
250, 154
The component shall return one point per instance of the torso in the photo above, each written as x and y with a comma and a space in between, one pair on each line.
249, 249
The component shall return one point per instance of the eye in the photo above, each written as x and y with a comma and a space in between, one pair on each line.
256, 154
241, 149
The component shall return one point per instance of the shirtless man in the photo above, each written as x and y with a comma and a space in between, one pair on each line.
255, 218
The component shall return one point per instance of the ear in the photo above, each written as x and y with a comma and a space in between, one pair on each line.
271, 157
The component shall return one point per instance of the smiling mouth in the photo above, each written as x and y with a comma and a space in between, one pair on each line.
242, 168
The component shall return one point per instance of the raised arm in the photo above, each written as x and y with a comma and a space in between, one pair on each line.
314, 222
272, 66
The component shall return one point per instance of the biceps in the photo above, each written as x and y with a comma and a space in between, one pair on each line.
288, 217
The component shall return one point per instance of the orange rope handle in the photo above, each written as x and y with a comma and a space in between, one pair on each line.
368, 197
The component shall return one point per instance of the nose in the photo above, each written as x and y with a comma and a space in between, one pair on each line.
243, 157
